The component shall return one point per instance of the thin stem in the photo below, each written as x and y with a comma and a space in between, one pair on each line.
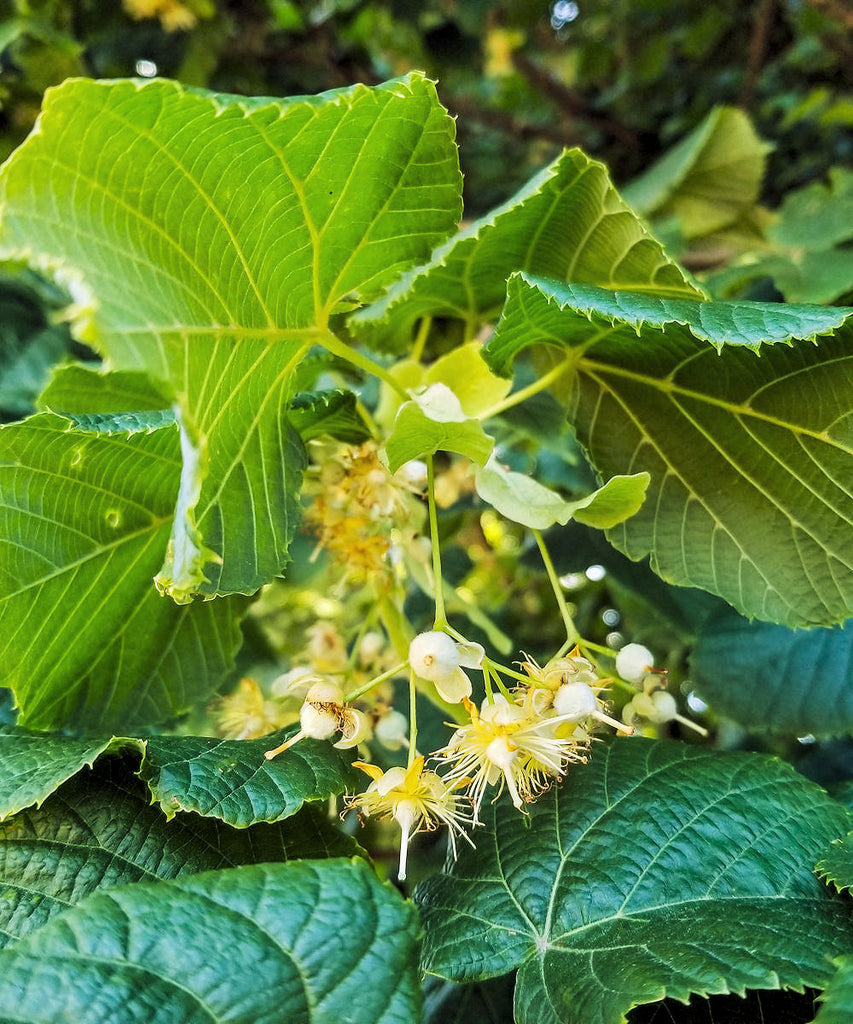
438, 583
572, 635
421, 339
362, 361
413, 719
361, 690
517, 397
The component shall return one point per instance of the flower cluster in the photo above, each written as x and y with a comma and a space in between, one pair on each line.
359, 510
522, 740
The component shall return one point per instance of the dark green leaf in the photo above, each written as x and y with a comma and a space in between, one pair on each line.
100, 830
29, 346
231, 780
658, 869
774, 679
32, 766
837, 1000
750, 495
309, 941
314, 413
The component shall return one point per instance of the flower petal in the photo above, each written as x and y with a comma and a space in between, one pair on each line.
454, 686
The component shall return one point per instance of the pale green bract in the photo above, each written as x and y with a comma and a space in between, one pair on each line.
524, 500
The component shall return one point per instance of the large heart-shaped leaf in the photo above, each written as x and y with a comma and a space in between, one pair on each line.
99, 830
207, 240
658, 869
567, 222
318, 941
750, 458
87, 643
774, 679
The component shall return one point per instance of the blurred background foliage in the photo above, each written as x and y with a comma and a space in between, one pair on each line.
756, 98
624, 79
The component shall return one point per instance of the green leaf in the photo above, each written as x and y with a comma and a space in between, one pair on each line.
822, 276
749, 496
656, 870
836, 865
87, 643
33, 766
334, 413
774, 679
837, 999
207, 240
77, 390
435, 421
99, 830
567, 222
231, 780
29, 346
818, 216
708, 179
318, 941
523, 500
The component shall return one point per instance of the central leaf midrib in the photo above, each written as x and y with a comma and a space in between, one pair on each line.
668, 386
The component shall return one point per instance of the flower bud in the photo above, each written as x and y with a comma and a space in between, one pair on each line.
633, 661
575, 701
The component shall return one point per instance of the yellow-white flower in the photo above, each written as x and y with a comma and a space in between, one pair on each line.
418, 800
438, 657
506, 744
323, 713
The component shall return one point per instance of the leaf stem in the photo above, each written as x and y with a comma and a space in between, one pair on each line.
361, 690
572, 634
413, 719
349, 354
438, 583
517, 397
421, 338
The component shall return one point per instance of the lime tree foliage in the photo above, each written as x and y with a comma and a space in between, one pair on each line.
297, 468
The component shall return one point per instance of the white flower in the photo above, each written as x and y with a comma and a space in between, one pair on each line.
416, 799
506, 744
355, 728
437, 657
633, 662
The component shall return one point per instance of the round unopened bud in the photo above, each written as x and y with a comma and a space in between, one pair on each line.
317, 722
633, 662
665, 708
391, 729
325, 692
575, 701
433, 655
